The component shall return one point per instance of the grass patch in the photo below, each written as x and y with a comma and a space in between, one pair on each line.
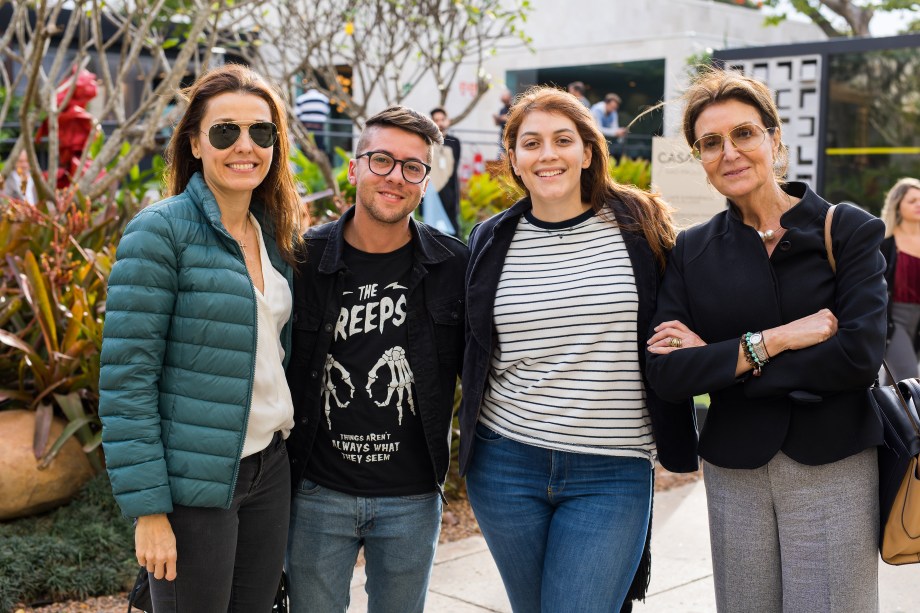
76, 551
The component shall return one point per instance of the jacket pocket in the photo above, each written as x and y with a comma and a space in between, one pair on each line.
305, 324
448, 329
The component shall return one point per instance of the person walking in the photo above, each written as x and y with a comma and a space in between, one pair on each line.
192, 392
378, 341
751, 312
901, 249
559, 429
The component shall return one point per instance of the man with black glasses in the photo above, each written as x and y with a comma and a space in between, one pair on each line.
377, 348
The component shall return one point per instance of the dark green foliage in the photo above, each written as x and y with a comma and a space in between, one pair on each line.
83, 549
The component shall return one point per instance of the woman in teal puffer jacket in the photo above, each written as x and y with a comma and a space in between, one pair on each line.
193, 399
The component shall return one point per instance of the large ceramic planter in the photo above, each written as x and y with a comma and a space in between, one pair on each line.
26, 490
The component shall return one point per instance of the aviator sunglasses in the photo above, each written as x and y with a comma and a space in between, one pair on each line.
223, 135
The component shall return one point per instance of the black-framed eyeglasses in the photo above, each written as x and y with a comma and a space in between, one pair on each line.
745, 137
224, 135
381, 163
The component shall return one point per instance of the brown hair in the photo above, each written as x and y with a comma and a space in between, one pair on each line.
713, 85
404, 118
891, 211
649, 213
277, 192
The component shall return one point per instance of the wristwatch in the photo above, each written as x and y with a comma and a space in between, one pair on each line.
760, 350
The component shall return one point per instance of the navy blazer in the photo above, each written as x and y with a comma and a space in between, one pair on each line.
810, 403
673, 423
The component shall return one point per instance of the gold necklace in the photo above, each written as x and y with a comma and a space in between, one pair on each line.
241, 241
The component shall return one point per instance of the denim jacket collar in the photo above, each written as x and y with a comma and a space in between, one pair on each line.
426, 250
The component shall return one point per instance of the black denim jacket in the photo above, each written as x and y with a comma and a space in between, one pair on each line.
435, 320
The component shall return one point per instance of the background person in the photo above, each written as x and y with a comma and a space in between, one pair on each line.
751, 313
558, 427
312, 109
501, 118
378, 340
578, 89
20, 185
901, 249
444, 165
193, 399
606, 114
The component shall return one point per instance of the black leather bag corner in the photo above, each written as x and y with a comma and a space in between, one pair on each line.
139, 596
901, 441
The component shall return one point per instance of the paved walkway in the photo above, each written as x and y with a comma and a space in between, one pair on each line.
465, 579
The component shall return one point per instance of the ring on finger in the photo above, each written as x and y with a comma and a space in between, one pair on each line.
675, 342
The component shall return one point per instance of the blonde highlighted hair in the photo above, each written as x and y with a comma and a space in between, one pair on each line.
891, 211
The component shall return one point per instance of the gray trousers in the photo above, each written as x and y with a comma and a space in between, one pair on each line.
900, 355
792, 538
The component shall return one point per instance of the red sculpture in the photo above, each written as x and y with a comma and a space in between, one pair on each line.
75, 125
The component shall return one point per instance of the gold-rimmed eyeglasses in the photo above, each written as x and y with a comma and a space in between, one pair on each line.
745, 137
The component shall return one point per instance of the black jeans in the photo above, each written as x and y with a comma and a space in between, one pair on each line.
230, 560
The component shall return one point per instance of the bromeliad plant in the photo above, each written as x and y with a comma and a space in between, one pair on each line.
57, 257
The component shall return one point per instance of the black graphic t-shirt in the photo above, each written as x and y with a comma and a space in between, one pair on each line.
370, 440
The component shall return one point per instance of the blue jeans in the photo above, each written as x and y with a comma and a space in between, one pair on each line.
566, 530
399, 535
230, 560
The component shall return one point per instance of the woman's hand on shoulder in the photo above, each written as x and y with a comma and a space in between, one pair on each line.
155, 545
673, 335
801, 333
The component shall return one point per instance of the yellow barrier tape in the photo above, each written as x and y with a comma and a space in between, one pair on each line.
873, 151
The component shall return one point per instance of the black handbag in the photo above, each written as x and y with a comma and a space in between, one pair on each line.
139, 596
898, 477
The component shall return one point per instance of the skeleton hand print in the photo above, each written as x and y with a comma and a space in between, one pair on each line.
401, 379
329, 391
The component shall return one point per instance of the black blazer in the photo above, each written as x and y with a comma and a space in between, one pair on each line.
673, 423
810, 403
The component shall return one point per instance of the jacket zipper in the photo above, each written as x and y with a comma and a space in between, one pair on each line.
252, 373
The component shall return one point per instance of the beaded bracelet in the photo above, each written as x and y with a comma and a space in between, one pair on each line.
754, 351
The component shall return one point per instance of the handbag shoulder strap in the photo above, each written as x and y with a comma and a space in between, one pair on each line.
827, 237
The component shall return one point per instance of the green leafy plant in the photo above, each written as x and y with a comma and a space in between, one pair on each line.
631, 171
57, 260
76, 551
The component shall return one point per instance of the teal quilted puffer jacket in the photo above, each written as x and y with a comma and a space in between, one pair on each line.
178, 355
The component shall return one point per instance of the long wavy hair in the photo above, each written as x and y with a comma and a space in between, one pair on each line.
277, 192
891, 211
649, 213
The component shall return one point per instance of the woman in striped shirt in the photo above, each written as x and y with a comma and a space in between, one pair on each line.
558, 427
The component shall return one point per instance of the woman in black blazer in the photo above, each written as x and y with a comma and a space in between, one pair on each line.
901, 249
751, 312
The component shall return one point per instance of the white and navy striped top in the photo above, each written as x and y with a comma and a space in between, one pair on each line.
565, 370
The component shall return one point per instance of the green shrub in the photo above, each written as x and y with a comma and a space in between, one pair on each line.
80, 550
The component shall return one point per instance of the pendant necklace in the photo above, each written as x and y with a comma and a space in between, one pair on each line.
768, 235
241, 241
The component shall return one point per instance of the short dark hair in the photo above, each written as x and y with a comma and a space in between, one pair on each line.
404, 118
577, 86
613, 98
438, 109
